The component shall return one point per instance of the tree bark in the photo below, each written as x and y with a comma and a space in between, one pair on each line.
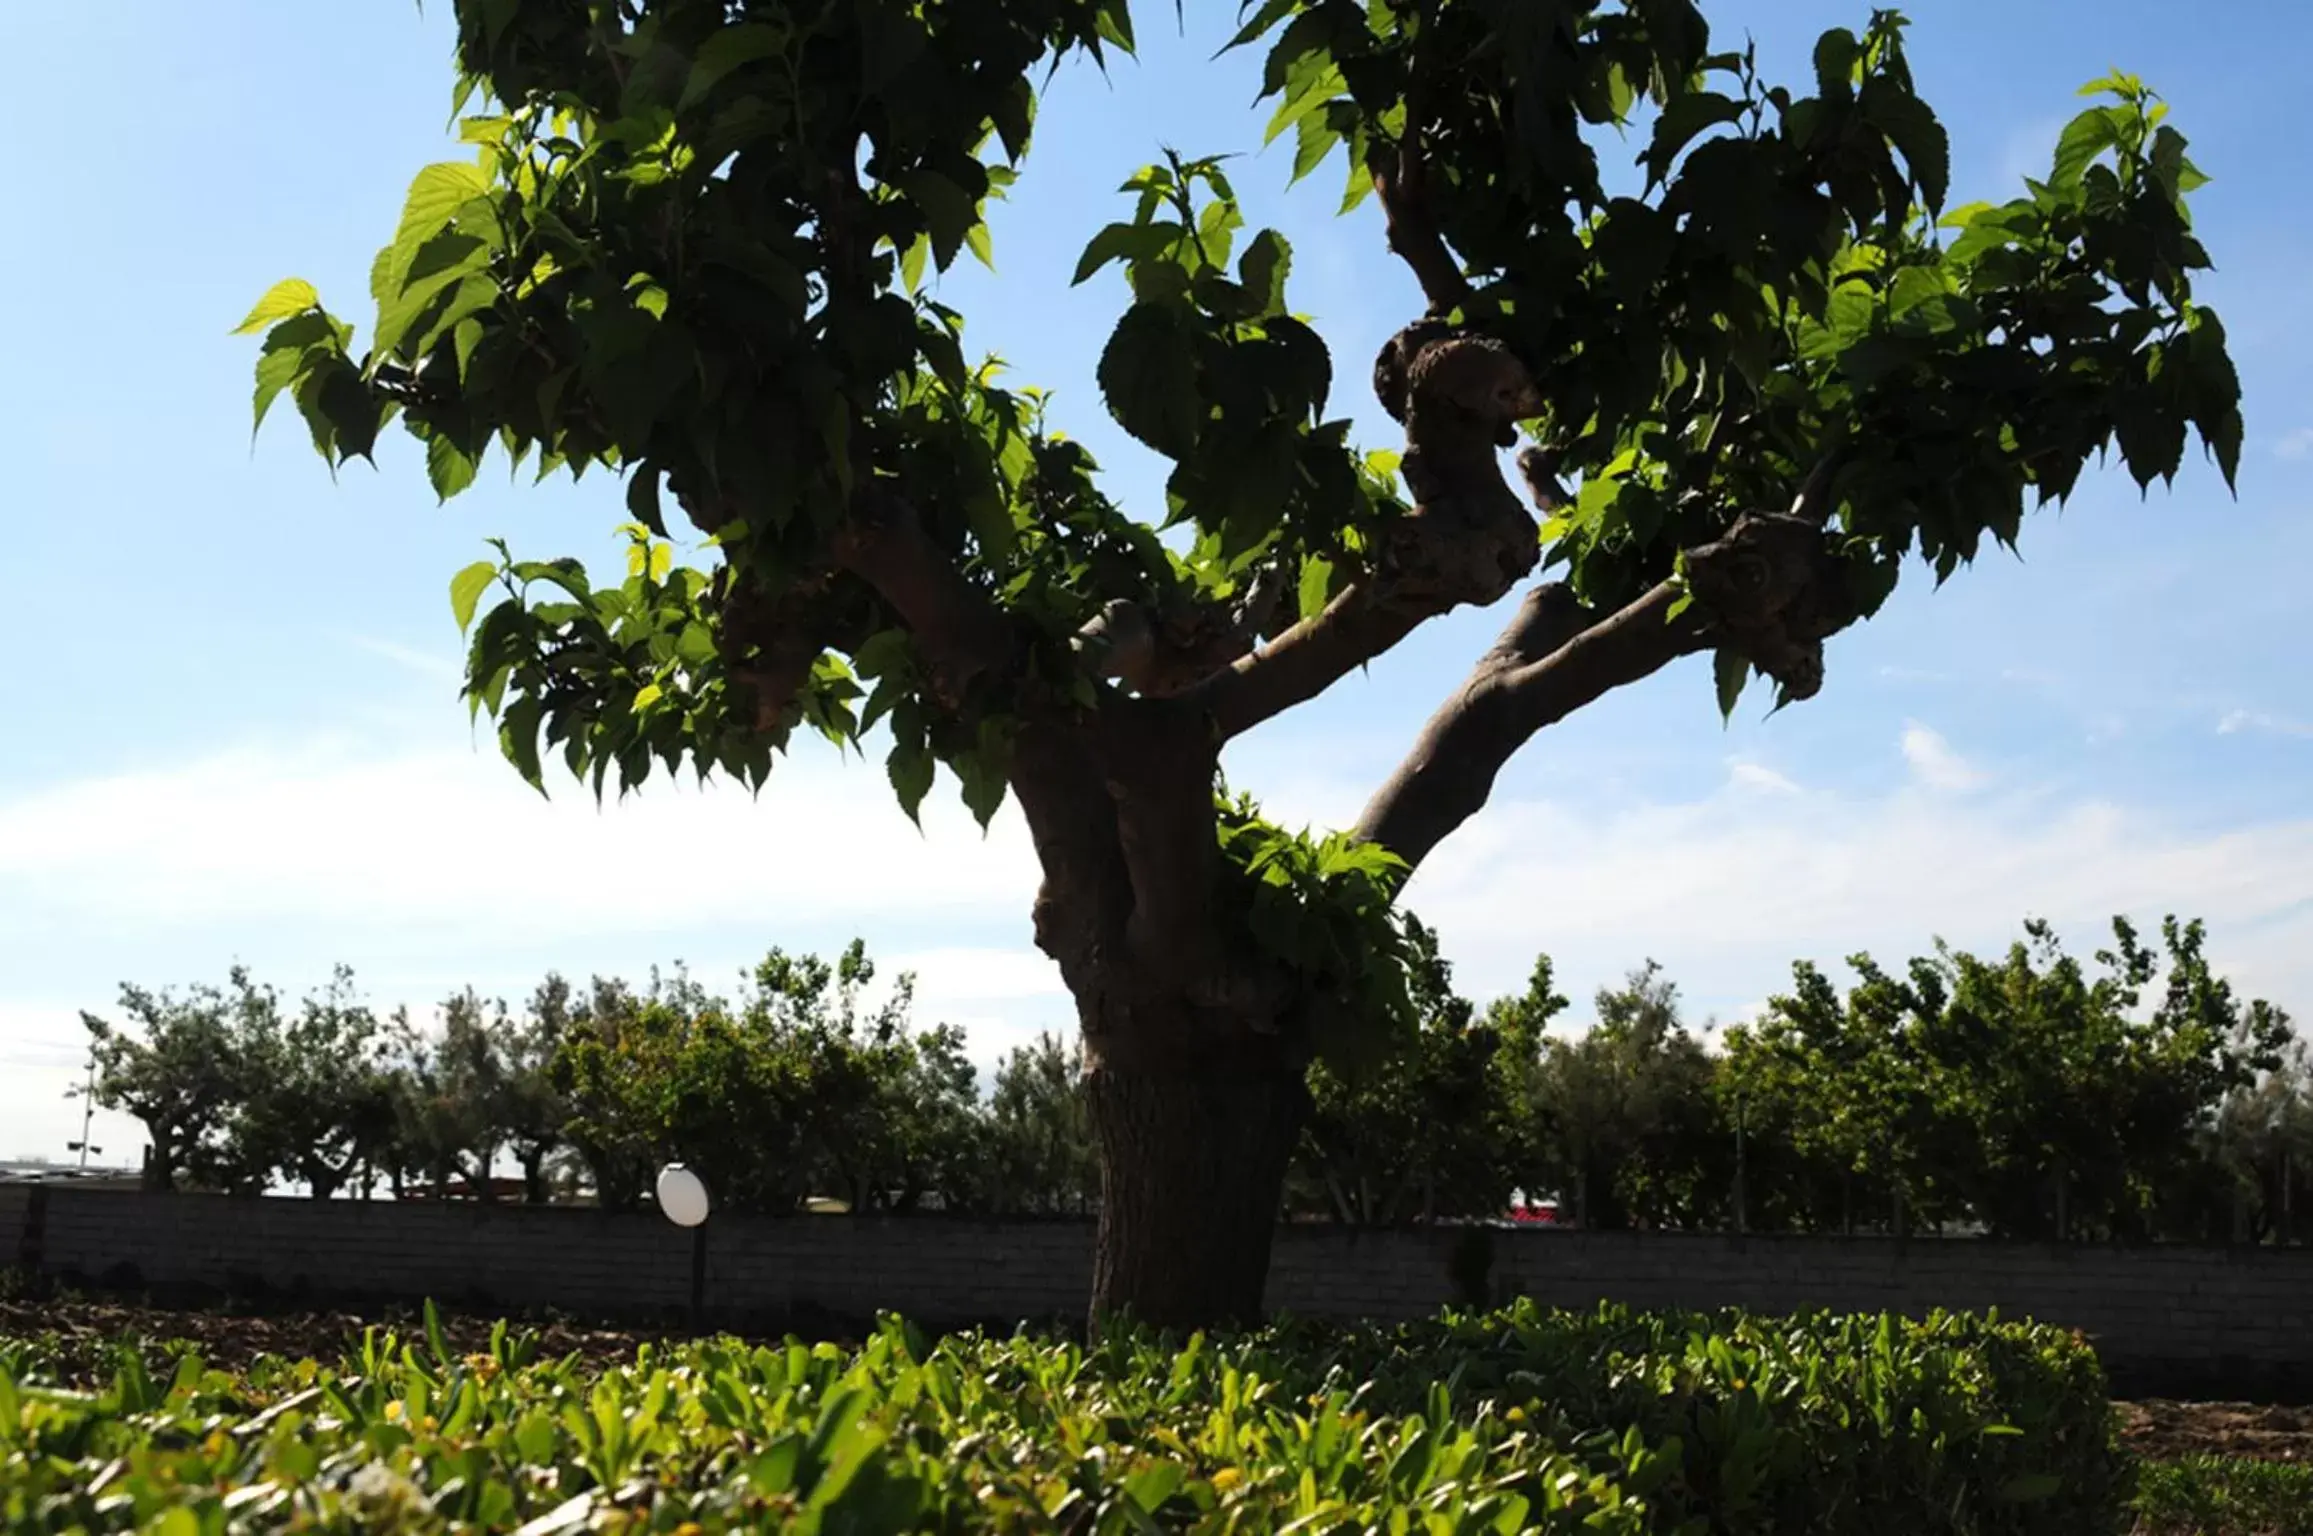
1193, 1160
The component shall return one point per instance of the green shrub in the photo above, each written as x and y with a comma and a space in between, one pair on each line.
2220, 1496
1515, 1420
1803, 1423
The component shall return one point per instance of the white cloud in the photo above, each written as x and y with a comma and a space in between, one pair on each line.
2240, 720
433, 869
2294, 445
1759, 776
1727, 891
451, 839
1935, 764
981, 975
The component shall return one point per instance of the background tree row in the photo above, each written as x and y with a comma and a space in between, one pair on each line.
2025, 1096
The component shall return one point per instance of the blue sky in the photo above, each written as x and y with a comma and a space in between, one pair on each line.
233, 734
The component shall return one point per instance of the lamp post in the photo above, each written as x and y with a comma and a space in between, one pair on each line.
683, 1200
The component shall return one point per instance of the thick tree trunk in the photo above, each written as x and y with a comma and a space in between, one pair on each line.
1193, 1158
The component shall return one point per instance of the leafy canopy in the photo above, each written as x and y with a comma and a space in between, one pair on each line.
690, 243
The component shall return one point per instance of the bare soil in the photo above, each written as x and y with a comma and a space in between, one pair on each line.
2159, 1430
86, 1329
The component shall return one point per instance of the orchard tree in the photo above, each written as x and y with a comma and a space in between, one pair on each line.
689, 249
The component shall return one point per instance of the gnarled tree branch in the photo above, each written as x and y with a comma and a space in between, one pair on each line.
1468, 539
1411, 229
1513, 693
1163, 651
1769, 588
960, 632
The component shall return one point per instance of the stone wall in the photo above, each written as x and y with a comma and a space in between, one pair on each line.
2234, 1322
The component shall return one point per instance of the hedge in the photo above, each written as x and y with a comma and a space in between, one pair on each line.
1513, 1420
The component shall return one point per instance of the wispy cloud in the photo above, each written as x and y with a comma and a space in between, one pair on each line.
2241, 720
1728, 890
2294, 445
427, 664
1759, 776
1935, 764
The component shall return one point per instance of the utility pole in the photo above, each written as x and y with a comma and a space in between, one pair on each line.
87, 1114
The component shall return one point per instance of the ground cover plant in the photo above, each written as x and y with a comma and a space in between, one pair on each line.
1512, 1420
2221, 1494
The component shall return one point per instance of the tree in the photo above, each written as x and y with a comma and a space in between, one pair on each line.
183, 1074
2263, 1139
450, 1095
797, 1089
2024, 1095
317, 1103
531, 1112
591, 1075
1624, 1112
1039, 1154
689, 250
1436, 1127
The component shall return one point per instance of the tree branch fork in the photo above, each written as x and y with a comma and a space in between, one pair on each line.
1119, 796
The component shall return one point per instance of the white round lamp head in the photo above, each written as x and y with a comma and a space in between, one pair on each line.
682, 1197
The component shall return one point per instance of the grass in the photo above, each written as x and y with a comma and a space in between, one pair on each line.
2224, 1496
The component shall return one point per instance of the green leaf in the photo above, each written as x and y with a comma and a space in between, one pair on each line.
1681, 123
435, 196
449, 467
1837, 52
1317, 584
729, 49
1315, 137
642, 499
290, 296
1149, 1487
1731, 669
2084, 138
910, 768
436, 1344
466, 589
1267, 261
1148, 377
518, 739
1122, 241
1911, 126
283, 363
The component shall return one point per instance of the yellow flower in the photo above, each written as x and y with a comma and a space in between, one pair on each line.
394, 1410
1226, 1479
1516, 1415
